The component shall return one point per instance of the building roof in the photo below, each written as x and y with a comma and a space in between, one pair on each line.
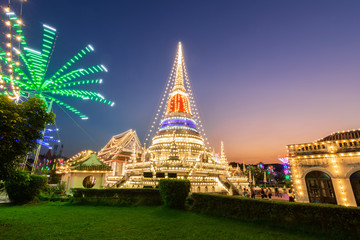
344, 135
336, 136
84, 161
91, 163
120, 145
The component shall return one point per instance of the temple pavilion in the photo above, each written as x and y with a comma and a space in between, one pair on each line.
176, 151
118, 151
84, 170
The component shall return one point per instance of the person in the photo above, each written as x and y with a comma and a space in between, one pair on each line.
262, 192
252, 192
276, 191
291, 195
284, 191
245, 192
269, 193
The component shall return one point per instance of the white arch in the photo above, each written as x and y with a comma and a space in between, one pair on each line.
321, 169
352, 171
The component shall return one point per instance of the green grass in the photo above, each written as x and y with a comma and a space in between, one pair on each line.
63, 221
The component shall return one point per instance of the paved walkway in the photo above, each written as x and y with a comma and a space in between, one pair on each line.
285, 197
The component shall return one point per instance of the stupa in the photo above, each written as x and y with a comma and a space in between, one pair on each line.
178, 150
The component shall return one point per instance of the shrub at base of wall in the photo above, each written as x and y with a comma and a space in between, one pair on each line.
323, 217
117, 197
174, 192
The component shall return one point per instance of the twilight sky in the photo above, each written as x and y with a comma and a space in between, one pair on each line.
265, 73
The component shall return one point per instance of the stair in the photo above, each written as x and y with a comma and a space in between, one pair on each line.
229, 186
120, 182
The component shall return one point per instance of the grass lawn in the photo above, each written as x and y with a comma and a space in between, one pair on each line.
63, 221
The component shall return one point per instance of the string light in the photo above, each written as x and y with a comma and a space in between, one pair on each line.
8, 60
31, 76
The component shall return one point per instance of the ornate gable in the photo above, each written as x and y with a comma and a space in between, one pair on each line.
121, 144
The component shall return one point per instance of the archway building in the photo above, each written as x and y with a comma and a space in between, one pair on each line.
327, 170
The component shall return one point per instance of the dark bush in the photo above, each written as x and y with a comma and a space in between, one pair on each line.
174, 192
316, 216
24, 188
189, 201
54, 193
52, 198
117, 196
54, 177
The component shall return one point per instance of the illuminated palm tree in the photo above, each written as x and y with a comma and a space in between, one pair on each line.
29, 73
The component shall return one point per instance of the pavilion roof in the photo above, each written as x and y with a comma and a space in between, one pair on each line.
120, 145
92, 163
83, 162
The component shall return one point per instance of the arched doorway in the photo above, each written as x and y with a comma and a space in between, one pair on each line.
355, 184
320, 188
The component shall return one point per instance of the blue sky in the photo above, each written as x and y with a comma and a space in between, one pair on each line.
265, 73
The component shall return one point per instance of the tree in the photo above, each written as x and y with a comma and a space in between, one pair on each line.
258, 174
279, 173
280, 177
20, 126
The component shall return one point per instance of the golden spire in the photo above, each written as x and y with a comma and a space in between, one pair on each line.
223, 158
179, 78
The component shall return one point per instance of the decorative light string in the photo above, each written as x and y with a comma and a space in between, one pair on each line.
295, 177
343, 192
193, 104
14, 94
341, 185
7, 57
31, 75
161, 110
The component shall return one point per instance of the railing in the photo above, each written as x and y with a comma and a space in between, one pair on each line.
120, 182
229, 185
